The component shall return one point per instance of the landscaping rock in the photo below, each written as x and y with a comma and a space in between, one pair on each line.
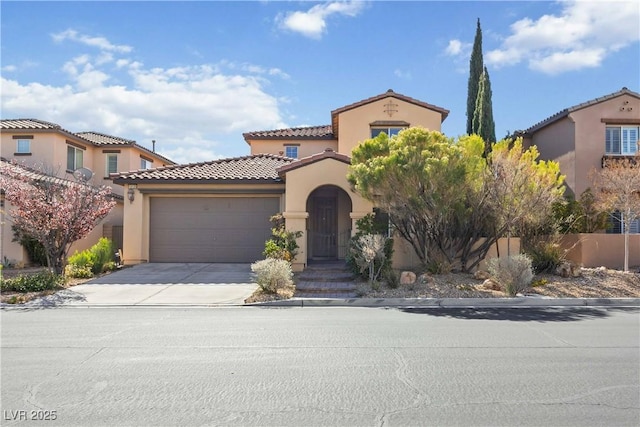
491, 285
426, 279
564, 270
407, 278
576, 270
481, 275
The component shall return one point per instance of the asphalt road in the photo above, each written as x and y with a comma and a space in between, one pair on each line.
321, 366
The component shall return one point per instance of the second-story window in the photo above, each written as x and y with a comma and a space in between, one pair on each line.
112, 163
291, 151
621, 140
390, 131
74, 158
145, 163
23, 146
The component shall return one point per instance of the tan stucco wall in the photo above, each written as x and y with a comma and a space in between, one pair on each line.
306, 147
136, 213
354, 124
595, 250
301, 182
578, 141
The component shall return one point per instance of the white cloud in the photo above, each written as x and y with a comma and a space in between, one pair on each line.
313, 23
581, 35
99, 42
9, 68
454, 48
402, 74
188, 110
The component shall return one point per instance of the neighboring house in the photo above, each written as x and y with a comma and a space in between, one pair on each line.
582, 136
39, 144
219, 211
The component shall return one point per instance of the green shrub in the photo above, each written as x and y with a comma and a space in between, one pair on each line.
273, 275
37, 282
283, 244
98, 259
82, 259
35, 250
545, 256
103, 253
513, 273
78, 271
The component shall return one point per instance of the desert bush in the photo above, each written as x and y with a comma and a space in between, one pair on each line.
545, 256
37, 282
283, 244
513, 273
368, 252
370, 225
273, 275
78, 271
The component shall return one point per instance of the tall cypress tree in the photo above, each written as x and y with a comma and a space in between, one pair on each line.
483, 123
475, 71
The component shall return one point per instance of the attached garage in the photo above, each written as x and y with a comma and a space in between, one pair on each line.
209, 229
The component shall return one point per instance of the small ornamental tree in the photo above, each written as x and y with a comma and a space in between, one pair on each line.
522, 189
53, 211
617, 188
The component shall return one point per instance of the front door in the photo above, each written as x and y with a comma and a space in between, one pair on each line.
324, 227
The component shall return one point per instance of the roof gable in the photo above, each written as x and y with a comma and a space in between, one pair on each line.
564, 113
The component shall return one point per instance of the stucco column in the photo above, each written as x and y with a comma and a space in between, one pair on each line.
133, 222
355, 216
297, 221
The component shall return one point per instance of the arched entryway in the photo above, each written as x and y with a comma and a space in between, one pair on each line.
329, 223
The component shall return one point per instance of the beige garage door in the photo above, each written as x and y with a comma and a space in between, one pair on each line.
225, 229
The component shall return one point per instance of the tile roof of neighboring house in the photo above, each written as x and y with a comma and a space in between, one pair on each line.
100, 139
93, 138
310, 132
36, 175
564, 113
259, 168
327, 154
103, 139
27, 124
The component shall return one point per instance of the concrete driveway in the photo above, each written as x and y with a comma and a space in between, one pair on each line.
170, 284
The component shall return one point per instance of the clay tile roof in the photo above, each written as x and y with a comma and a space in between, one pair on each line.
103, 139
564, 113
311, 132
17, 124
258, 168
38, 176
327, 154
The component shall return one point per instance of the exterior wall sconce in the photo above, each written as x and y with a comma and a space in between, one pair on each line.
131, 193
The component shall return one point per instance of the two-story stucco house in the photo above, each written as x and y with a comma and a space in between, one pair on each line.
219, 211
580, 137
40, 144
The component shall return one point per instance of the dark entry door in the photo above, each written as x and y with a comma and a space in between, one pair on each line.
324, 227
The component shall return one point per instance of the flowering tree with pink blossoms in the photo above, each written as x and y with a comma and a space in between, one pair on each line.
53, 211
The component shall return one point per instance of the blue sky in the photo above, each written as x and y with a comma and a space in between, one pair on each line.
195, 75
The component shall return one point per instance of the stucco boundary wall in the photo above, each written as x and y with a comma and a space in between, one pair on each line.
600, 249
405, 258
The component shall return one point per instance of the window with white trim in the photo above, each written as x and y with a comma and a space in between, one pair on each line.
390, 131
291, 151
74, 157
145, 163
112, 163
621, 140
23, 146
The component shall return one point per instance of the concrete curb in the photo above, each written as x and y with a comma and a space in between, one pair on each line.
453, 302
